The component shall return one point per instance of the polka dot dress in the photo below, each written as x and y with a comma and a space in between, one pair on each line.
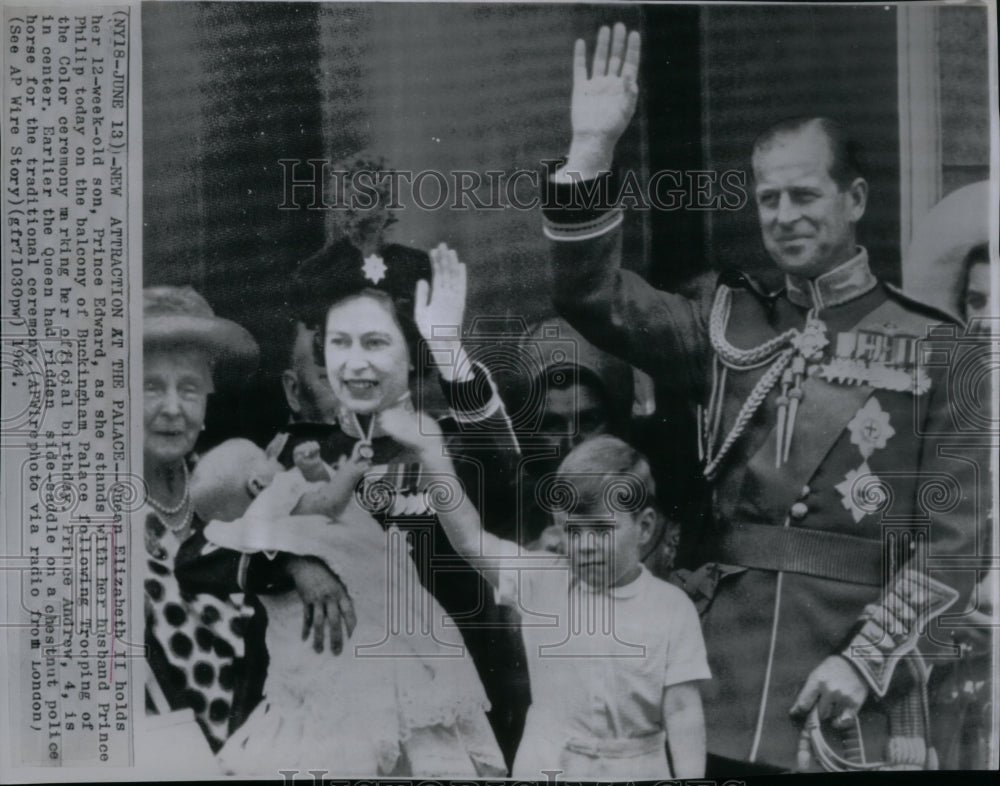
201, 635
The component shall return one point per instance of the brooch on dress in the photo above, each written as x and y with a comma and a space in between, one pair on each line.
374, 268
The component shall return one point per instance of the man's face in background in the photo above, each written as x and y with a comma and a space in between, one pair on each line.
307, 389
574, 409
978, 300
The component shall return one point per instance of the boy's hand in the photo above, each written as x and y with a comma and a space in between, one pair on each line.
684, 721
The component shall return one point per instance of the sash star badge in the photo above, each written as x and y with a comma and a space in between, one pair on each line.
374, 268
870, 429
862, 492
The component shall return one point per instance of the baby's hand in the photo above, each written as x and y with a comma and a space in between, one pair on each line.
358, 463
553, 538
332, 497
307, 459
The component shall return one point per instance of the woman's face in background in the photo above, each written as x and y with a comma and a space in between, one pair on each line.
978, 300
176, 384
367, 359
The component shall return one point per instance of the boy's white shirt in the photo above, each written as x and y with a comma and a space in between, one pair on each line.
604, 654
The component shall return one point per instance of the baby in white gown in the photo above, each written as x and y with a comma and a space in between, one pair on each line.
404, 698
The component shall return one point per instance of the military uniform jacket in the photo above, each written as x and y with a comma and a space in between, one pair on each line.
857, 538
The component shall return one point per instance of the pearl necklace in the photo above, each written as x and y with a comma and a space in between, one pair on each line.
176, 528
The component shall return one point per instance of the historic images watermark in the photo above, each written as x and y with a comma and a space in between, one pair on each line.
314, 185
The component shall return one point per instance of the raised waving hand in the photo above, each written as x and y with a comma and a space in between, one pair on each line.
603, 101
439, 312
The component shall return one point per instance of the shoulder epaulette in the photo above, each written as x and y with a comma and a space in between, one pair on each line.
737, 279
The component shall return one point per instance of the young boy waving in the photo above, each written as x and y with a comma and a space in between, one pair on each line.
614, 654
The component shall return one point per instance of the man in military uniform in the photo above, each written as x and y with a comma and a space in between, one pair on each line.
839, 503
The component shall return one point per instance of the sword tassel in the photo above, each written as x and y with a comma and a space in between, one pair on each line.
794, 396
783, 401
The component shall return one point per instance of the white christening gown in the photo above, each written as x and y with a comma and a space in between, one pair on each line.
402, 699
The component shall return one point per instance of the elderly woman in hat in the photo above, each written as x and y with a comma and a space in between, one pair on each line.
204, 639
196, 642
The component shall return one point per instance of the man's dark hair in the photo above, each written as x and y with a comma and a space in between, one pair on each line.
846, 163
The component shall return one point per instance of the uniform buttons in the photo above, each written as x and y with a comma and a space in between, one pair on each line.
806, 491
799, 510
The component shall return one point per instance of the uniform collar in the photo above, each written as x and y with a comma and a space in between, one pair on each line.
847, 281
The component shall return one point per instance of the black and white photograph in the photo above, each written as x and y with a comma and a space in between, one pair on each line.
549, 391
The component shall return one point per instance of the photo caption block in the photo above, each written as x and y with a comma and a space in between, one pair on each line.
65, 464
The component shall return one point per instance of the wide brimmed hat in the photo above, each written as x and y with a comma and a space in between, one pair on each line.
175, 316
933, 268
